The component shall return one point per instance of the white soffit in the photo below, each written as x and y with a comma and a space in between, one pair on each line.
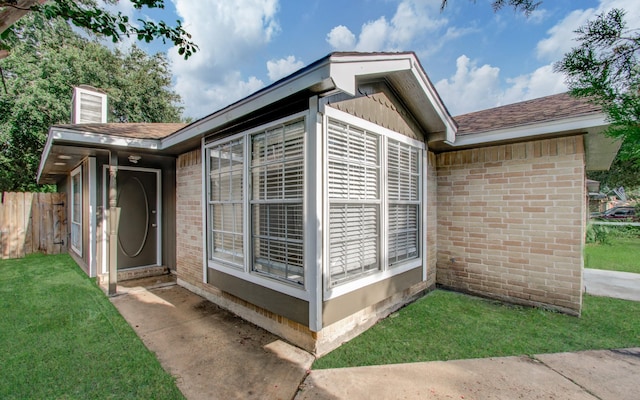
600, 150
97, 139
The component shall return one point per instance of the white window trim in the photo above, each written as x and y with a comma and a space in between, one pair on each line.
76, 171
290, 289
385, 271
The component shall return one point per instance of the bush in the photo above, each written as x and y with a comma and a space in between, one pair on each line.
597, 234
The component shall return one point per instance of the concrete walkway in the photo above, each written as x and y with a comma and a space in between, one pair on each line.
621, 285
216, 355
603, 375
213, 353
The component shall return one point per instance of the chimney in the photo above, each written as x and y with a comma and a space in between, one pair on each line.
88, 105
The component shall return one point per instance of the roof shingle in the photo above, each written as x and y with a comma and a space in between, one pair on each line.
544, 109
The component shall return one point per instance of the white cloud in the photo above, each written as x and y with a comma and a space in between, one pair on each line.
341, 38
470, 88
474, 88
411, 19
228, 33
280, 68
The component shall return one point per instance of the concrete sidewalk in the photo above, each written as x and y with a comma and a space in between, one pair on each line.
621, 285
604, 375
216, 355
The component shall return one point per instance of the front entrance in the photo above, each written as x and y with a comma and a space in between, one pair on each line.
139, 230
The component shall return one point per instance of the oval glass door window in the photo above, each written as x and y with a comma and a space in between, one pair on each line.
133, 230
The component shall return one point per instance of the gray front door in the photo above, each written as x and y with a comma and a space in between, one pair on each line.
138, 228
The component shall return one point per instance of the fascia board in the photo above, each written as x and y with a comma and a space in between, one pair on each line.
59, 136
345, 70
533, 130
250, 104
435, 100
45, 155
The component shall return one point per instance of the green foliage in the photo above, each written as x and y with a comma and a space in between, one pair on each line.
597, 234
447, 326
47, 60
604, 69
61, 338
89, 15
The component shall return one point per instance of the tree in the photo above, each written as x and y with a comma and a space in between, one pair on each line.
47, 60
88, 15
604, 69
525, 6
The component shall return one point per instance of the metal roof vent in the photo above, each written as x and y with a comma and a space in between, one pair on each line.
89, 105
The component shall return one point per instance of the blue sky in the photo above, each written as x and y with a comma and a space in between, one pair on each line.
476, 58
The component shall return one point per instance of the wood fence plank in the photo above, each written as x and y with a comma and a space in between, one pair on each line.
32, 222
28, 224
35, 223
20, 227
49, 225
3, 233
13, 234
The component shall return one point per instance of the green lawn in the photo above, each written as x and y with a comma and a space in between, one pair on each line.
60, 337
447, 325
620, 254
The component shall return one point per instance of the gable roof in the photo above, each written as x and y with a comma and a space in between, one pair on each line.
544, 109
336, 72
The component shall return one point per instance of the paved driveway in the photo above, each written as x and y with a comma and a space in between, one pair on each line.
621, 285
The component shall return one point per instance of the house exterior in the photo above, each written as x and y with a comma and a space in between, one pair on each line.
324, 202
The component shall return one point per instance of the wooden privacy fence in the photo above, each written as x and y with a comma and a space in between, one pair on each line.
31, 223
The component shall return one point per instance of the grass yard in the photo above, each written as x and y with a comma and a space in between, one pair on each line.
62, 338
620, 254
446, 325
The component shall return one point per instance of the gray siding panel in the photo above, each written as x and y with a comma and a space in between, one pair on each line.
289, 307
341, 307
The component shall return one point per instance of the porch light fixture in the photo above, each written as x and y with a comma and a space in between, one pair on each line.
59, 163
64, 157
134, 158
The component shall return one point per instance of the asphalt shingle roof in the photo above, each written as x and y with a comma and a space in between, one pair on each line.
544, 109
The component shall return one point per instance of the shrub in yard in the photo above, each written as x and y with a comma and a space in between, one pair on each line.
597, 234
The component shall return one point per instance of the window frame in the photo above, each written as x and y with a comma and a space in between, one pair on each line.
77, 172
385, 269
246, 272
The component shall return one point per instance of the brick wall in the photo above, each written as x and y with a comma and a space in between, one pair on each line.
432, 220
511, 222
189, 217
